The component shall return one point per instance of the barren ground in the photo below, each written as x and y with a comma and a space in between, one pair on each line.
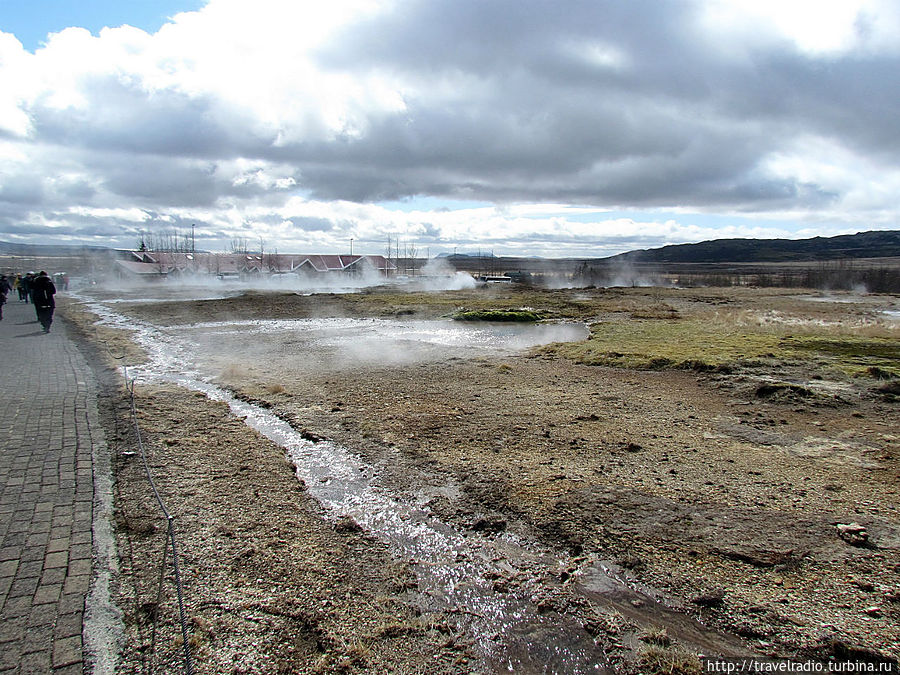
714, 487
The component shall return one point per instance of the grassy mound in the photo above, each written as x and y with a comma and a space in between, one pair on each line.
520, 315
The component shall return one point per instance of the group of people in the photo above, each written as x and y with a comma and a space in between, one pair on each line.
38, 289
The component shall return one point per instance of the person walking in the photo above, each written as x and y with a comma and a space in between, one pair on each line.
24, 286
42, 292
5, 288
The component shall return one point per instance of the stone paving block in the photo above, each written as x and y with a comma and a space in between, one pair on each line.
25, 587
49, 593
16, 607
42, 528
60, 544
57, 575
12, 629
79, 552
81, 566
68, 625
37, 639
57, 533
8, 568
41, 615
41, 516
16, 539
67, 651
32, 558
58, 559
9, 655
35, 663
74, 669
81, 537
5, 583
73, 602
78, 584
66, 520
39, 539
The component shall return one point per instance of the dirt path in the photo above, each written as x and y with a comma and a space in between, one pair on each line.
707, 493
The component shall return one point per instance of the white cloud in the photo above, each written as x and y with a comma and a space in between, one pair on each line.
866, 190
293, 120
820, 28
130, 215
14, 81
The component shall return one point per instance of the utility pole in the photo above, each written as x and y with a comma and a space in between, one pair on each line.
351, 245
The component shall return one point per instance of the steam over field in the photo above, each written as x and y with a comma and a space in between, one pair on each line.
640, 477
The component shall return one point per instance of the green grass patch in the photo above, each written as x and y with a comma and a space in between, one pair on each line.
857, 356
705, 345
657, 345
520, 315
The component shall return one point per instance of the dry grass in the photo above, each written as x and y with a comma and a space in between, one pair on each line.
115, 343
668, 661
656, 636
233, 373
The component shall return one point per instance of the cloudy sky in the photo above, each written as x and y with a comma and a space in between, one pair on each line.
522, 127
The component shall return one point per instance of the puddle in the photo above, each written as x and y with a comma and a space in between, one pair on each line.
338, 344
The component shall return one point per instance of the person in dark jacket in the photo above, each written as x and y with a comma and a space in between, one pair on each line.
5, 288
42, 292
25, 286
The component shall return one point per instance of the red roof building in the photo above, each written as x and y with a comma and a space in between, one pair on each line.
148, 264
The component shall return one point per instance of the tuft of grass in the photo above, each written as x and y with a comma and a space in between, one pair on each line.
233, 372
664, 661
519, 315
656, 636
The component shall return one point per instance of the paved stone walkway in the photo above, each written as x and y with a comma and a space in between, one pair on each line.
49, 427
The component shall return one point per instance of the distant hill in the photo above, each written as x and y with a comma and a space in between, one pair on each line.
46, 250
879, 244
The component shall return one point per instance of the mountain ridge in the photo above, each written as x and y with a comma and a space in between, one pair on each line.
872, 244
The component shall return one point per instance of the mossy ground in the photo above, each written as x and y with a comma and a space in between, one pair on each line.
655, 344
701, 345
674, 329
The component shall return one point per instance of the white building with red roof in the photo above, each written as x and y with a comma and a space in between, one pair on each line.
161, 264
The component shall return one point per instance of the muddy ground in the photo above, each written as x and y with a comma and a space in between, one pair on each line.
759, 501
